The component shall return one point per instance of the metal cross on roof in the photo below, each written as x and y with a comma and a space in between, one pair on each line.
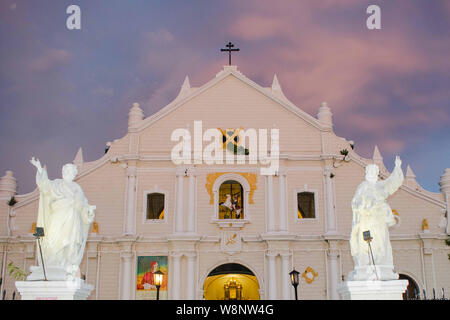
229, 46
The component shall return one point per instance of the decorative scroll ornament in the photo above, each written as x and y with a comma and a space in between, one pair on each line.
33, 228
211, 178
396, 216
425, 227
94, 228
309, 275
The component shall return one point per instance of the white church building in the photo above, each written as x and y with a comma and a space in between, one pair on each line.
226, 231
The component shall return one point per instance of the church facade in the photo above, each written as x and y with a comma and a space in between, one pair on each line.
227, 231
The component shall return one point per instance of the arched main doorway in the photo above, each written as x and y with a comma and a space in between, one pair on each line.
412, 289
231, 281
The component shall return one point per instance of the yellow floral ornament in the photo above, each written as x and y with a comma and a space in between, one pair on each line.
309, 275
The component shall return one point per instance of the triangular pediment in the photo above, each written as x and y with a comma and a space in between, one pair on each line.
231, 71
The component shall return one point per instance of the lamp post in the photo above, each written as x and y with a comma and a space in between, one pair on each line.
368, 238
157, 279
294, 280
40, 233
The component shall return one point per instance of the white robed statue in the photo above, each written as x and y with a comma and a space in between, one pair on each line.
66, 216
372, 213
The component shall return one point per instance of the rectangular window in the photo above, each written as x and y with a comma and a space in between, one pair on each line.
155, 206
305, 205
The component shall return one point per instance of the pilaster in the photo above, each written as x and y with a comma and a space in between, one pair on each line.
180, 174
176, 275
328, 173
285, 279
282, 201
191, 200
130, 219
333, 273
270, 209
272, 289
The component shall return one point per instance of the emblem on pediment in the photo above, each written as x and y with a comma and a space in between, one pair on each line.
231, 242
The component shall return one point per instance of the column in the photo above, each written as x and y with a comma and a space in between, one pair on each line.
285, 278
333, 255
176, 286
190, 276
330, 206
180, 198
428, 265
11, 221
270, 205
126, 276
282, 201
131, 197
191, 202
272, 275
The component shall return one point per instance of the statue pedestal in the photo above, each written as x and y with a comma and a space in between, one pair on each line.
52, 273
60, 285
373, 290
54, 290
370, 272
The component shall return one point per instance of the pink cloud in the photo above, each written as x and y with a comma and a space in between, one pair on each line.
253, 28
160, 36
51, 59
392, 145
348, 68
323, 66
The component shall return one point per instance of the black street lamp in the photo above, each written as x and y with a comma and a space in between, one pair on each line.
157, 279
294, 280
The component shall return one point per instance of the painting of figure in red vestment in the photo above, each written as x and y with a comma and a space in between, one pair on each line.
145, 285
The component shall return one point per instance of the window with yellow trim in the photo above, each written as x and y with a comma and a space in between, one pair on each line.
155, 206
305, 205
231, 199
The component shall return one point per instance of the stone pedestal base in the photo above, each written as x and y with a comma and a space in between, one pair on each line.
52, 273
370, 272
373, 290
75, 289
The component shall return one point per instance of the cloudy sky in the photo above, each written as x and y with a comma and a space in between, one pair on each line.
63, 89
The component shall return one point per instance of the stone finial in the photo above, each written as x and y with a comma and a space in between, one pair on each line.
78, 161
444, 183
325, 116
276, 88
135, 116
409, 173
410, 177
377, 158
8, 185
185, 88
186, 84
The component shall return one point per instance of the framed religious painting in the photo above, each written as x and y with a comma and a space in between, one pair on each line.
145, 277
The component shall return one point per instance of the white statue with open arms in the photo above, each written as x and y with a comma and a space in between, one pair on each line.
65, 215
372, 213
